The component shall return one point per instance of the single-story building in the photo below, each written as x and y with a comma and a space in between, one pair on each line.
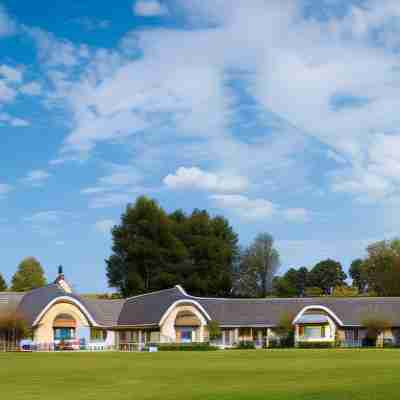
58, 315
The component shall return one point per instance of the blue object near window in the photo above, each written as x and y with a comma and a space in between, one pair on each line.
64, 333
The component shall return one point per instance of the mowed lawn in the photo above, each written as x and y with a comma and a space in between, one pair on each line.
262, 374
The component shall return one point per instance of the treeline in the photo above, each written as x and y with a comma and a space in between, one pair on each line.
29, 275
154, 250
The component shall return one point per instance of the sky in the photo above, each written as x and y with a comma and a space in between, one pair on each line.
280, 115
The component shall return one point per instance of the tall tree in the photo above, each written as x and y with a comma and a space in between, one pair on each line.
258, 266
327, 275
144, 248
3, 284
153, 250
29, 275
358, 275
292, 284
382, 268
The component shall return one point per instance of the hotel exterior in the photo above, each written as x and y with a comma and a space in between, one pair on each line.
57, 316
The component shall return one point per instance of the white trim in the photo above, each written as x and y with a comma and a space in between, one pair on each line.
69, 300
183, 301
318, 307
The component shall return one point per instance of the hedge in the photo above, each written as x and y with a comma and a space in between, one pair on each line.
315, 345
186, 347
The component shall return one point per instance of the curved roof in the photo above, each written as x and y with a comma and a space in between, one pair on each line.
148, 309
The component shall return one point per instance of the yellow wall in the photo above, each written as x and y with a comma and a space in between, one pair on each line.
43, 332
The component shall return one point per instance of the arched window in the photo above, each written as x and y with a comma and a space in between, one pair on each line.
64, 327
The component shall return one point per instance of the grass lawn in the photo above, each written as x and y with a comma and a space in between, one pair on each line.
223, 375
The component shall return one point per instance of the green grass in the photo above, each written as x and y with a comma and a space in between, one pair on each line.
223, 375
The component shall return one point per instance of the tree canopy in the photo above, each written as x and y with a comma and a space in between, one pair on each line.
257, 267
3, 284
381, 268
326, 275
153, 250
29, 275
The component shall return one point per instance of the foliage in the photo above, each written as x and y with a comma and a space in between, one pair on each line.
313, 291
257, 267
381, 268
315, 345
13, 327
345, 291
285, 326
3, 284
214, 330
246, 345
292, 284
375, 324
153, 251
29, 275
326, 275
186, 347
358, 275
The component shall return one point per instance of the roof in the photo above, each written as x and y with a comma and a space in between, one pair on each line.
313, 319
9, 302
148, 309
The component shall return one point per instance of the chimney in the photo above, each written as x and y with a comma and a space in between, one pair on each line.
61, 282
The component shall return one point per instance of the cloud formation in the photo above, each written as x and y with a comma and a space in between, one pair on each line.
149, 8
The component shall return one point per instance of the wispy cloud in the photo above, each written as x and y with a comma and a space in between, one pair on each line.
36, 178
149, 8
104, 225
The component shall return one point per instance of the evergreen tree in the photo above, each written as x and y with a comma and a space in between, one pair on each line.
29, 275
3, 284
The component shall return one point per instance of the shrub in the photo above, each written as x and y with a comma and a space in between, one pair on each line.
315, 345
214, 330
246, 345
185, 347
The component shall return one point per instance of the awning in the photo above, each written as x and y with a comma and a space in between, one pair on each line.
313, 319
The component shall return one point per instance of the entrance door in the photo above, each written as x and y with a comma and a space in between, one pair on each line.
186, 335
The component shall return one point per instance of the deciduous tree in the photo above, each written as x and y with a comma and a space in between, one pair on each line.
29, 275
3, 284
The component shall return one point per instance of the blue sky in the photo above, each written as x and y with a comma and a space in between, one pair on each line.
280, 115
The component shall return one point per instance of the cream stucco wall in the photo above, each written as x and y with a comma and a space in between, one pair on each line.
167, 329
43, 332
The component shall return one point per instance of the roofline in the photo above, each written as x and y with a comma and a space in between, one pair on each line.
157, 291
324, 308
70, 299
183, 301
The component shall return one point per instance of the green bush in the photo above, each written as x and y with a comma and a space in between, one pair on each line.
315, 345
186, 347
246, 345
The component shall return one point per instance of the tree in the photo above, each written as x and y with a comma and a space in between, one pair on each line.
375, 325
345, 291
143, 249
13, 328
3, 284
357, 274
153, 251
327, 275
313, 291
382, 268
29, 275
258, 265
214, 330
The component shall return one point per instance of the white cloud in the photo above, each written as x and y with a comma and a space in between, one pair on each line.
104, 226
11, 74
36, 178
111, 200
5, 189
45, 217
92, 24
297, 215
149, 8
195, 178
7, 24
244, 207
13, 121
7, 93
31, 89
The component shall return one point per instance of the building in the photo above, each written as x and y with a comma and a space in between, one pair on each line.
58, 316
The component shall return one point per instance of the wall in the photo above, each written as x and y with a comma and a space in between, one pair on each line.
43, 333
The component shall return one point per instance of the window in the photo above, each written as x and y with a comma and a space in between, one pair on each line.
64, 333
314, 332
98, 335
122, 336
